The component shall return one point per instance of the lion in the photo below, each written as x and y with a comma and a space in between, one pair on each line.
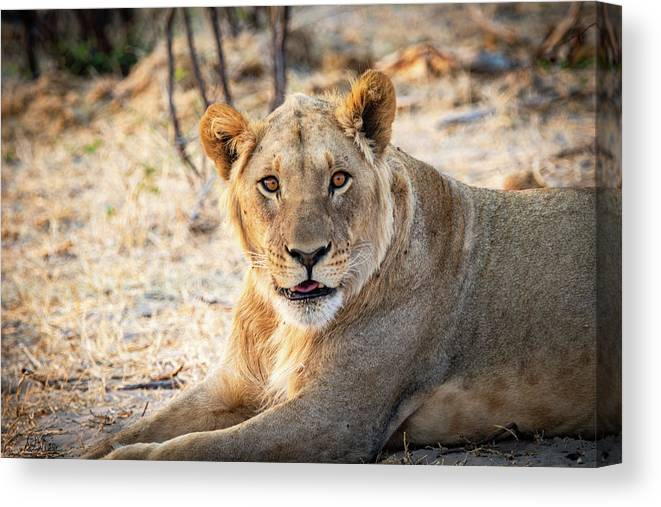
385, 300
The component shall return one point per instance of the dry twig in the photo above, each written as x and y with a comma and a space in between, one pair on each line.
502, 431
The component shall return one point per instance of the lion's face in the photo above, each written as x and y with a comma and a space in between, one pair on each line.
309, 197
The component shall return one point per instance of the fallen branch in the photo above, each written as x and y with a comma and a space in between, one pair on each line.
555, 38
36, 364
197, 221
574, 150
172, 383
62, 382
464, 117
51, 382
164, 381
493, 27
420, 60
545, 102
169, 375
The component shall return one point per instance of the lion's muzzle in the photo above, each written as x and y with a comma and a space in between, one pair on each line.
308, 259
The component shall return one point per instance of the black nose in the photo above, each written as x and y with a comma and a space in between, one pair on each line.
308, 259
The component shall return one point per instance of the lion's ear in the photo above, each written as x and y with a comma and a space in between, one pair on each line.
226, 135
368, 111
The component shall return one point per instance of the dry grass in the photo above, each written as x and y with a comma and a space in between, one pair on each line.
101, 277
103, 283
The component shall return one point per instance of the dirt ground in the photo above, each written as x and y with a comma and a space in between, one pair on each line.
107, 285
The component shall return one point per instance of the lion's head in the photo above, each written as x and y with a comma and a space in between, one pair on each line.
309, 194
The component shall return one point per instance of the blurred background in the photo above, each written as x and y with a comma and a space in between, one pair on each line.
118, 270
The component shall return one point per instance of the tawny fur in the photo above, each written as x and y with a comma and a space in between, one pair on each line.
458, 310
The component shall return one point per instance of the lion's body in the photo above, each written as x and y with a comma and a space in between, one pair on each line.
477, 308
517, 332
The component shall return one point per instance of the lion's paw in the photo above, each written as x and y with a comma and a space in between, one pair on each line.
133, 452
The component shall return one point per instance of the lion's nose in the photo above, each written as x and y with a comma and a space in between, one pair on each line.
308, 259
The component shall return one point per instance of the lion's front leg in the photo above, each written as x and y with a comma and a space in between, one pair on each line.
205, 407
300, 430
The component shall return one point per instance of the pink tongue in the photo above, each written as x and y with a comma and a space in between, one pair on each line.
304, 287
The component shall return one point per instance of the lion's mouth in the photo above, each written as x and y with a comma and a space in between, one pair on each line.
309, 289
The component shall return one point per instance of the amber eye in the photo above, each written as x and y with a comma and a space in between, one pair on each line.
339, 179
270, 184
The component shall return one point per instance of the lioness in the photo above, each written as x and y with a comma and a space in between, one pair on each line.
384, 297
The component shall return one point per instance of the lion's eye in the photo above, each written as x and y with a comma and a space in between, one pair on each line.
339, 179
270, 184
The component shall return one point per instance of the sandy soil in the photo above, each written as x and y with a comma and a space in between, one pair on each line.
106, 285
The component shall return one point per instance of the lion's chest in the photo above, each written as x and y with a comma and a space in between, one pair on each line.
286, 356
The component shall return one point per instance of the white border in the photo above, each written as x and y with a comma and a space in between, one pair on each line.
71, 483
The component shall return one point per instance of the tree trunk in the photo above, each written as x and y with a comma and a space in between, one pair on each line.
193, 56
29, 25
179, 140
279, 20
222, 74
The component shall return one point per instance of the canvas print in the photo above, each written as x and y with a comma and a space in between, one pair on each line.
327, 234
